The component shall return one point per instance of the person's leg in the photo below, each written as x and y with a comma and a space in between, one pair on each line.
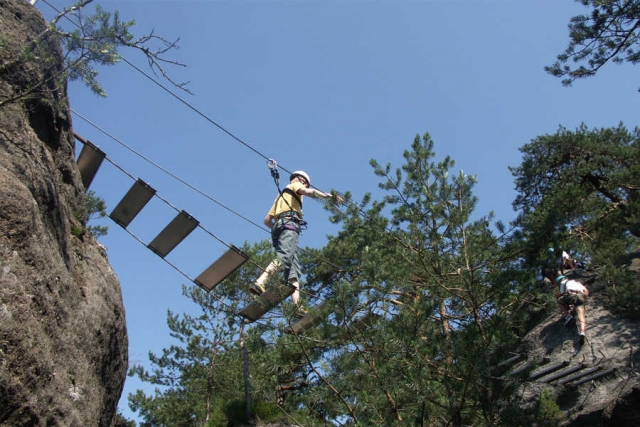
272, 268
287, 249
294, 274
295, 296
582, 323
582, 318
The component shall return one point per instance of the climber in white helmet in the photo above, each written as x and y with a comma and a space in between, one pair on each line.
285, 219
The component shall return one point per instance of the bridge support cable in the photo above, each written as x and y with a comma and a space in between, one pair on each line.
141, 191
173, 234
176, 231
164, 170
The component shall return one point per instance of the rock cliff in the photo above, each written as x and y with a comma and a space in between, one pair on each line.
594, 384
63, 340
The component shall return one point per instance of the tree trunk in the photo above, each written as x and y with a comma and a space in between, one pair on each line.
245, 372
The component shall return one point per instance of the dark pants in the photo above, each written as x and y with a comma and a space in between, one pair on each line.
573, 299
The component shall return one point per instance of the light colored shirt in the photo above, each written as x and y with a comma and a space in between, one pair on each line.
286, 202
572, 285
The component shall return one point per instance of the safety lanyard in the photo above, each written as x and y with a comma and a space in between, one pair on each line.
273, 167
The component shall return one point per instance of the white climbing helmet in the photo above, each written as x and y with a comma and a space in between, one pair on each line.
302, 174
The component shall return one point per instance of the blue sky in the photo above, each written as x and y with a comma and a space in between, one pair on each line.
323, 86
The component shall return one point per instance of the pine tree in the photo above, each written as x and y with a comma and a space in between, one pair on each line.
421, 308
608, 33
581, 190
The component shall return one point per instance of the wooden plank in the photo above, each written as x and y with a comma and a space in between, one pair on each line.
179, 228
89, 162
132, 203
266, 302
510, 361
310, 319
221, 269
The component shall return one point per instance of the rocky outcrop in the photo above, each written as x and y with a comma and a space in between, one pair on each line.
596, 383
63, 341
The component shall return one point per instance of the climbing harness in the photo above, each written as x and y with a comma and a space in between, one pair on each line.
292, 214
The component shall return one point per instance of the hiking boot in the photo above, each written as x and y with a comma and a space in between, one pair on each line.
256, 289
582, 337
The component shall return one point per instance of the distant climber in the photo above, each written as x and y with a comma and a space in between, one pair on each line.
573, 294
567, 261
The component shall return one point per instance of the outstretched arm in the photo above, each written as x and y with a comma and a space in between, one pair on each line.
313, 192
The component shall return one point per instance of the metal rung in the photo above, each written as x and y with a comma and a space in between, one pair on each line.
529, 364
548, 370
132, 203
221, 269
510, 361
89, 162
580, 374
593, 377
564, 373
173, 234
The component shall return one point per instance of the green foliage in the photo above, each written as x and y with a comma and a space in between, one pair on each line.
199, 379
608, 33
429, 354
261, 410
581, 190
548, 412
266, 411
89, 41
121, 421
420, 299
94, 43
96, 208
95, 40
77, 231
623, 292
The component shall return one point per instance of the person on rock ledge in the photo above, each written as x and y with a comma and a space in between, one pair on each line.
573, 293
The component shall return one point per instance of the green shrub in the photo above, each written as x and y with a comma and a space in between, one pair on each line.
548, 412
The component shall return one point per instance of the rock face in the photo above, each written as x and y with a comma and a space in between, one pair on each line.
554, 355
63, 340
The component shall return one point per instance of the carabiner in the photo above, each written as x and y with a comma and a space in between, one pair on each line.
273, 167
